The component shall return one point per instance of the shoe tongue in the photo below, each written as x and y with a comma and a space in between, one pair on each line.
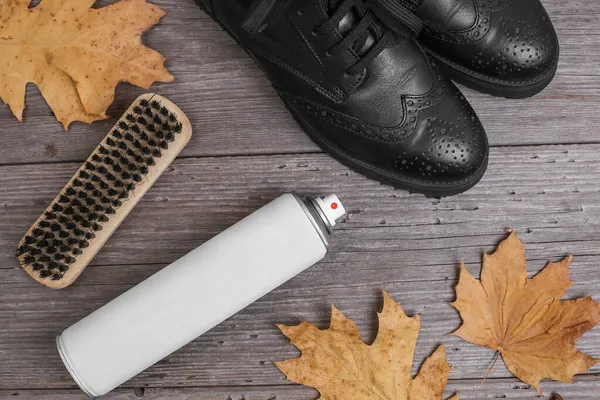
349, 22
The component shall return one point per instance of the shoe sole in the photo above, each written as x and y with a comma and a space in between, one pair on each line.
370, 172
470, 79
381, 176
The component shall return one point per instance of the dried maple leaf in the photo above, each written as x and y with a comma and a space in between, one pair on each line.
76, 55
522, 319
341, 366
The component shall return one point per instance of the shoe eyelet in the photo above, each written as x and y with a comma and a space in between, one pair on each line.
328, 54
300, 13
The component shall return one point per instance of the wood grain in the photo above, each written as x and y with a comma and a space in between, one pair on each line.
493, 389
235, 111
543, 180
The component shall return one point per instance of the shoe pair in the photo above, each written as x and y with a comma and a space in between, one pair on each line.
355, 78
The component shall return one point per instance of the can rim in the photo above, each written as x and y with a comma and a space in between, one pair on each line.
63, 356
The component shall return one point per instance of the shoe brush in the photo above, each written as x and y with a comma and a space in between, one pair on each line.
67, 236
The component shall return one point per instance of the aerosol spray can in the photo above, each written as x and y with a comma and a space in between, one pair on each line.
197, 292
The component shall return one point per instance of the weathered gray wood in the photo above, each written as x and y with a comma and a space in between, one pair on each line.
406, 244
549, 193
235, 111
493, 389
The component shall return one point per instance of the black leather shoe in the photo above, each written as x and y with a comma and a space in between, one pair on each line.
363, 89
505, 48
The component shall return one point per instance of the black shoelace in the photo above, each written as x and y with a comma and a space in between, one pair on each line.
390, 13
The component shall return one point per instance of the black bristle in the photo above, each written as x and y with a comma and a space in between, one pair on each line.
102, 150
43, 243
84, 209
69, 211
109, 161
152, 143
44, 224
123, 125
145, 150
85, 223
98, 208
89, 201
45, 259
35, 252
119, 183
81, 194
155, 105
103, 218
137, 177
178, 128
143, 170
37, 232
76, 202
71, 241
130, 118
148, 112
49, 215
90, 166
44, 274
77, 218
142, 121
136, 129
51, 250
96, 158
110, 177
144, 103
37, 266
57, 277
164, 111
124, 195
70, 191
69, 260
89, 187
77, 183
29, 239
165, 126
63, 268
164, 144
116, 134
170, 137
84, 175
151, 128
52, 265
130, 187
27, 260
172, 117
55, 227
115, 153
48, 235
111, 142
57, 207
157, 120
129, 137
137, 110
96, 227
123, 145
112, 192
76, 252
103, 185
117, 203
64, 248
58, 257
62, 219
117, 168
139, 159
78, 232
160, 134
83, 244
105, 200
90, 235
125, 175
109, 211
70, 225
102, 170
144, 136
150, 161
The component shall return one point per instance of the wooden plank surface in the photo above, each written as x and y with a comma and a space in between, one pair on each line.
543, 180
235, 111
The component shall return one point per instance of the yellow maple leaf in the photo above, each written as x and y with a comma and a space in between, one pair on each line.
76, 55
523, 319
341, 366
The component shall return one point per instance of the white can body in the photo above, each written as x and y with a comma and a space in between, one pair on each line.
191, 296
